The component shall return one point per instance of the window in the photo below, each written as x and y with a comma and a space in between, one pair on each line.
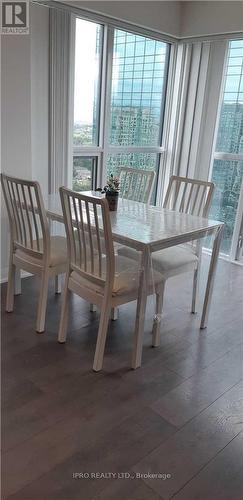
118, 119
87, 83
84, 173
227, 171
87, 87
137, 101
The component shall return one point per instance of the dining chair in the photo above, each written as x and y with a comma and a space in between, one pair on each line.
136, 184
95, 273
189, 196
32, 248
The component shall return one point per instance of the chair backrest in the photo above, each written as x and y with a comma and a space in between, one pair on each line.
189, 196
87, 221
136, 184
29, 227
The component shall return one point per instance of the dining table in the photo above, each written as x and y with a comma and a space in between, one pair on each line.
147, 229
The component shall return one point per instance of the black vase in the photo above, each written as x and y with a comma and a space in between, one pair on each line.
112, 199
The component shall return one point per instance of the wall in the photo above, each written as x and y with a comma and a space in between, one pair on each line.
159, 16
24, 114
215, 17
180, 19
16, 122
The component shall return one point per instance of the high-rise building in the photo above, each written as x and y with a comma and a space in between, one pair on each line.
139, 68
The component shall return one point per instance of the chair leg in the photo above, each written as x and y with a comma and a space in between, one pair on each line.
114, 313
62, 333
157, 319
92, 308
41, 314
10, 290
195, 290
58, 283
101, 339
17, 281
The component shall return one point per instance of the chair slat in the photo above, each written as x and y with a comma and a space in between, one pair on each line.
98, 239
189, 195
136, 184
33, 211
21, 215
77, 231
203, 196
30, 240
187, 209
90, 237
14, 211
197, 188
83, 233
181, 207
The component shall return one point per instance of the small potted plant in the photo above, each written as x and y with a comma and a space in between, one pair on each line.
111, 191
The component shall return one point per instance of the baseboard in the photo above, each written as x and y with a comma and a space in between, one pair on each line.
4, 275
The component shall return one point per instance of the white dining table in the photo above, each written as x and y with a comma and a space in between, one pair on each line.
148, 229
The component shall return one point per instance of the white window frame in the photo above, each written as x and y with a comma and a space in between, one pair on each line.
103, 149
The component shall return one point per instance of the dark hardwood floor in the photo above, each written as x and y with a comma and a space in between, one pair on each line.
180, 414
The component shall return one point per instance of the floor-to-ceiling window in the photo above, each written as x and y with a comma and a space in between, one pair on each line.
137, 101
227, 169
119, 99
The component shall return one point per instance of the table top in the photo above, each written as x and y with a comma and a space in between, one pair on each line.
140, 225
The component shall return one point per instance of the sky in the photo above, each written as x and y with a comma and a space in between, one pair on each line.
86, 71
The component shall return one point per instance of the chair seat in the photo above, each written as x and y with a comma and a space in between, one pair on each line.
168, 262
126, 278
58, 252
172, 261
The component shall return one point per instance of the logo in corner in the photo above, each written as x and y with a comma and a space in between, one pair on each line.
15, 18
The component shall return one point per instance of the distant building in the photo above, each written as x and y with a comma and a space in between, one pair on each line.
230, 133
137, 96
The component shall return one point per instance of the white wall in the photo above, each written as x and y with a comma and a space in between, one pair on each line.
163, 17
207, 18
16, 124
177, 18
24, 114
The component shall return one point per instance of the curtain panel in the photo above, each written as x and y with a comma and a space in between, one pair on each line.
193, 107
61, 78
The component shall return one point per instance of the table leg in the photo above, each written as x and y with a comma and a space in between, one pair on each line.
211, 276
141, 309
17, 281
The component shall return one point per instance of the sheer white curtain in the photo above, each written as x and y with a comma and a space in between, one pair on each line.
61, 96
192, 110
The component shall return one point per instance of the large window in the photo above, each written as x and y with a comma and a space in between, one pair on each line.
137, 100
120, 83
227, 171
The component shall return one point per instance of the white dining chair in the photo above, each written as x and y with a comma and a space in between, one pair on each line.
32, 248
189, 196
136, 184
94, 273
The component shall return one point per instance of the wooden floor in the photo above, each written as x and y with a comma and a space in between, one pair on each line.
180, 415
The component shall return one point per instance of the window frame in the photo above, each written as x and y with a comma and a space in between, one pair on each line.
103, 148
